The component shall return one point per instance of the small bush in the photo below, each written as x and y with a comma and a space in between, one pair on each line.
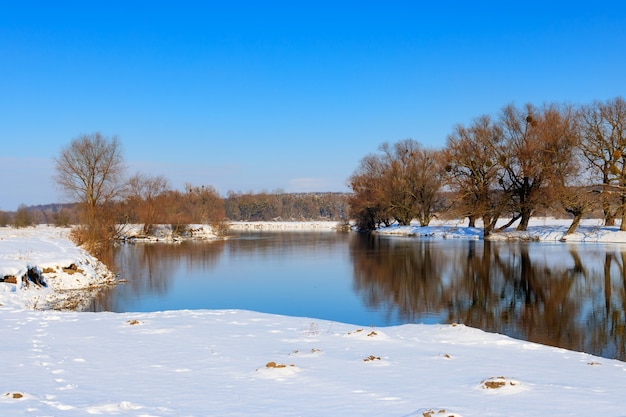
23, 217
220, 228
179, 229
97, 229
4, 218
61, 218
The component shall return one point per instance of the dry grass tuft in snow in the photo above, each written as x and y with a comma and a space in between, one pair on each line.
498, 382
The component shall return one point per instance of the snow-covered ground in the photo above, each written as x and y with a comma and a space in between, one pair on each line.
241, 363
163, 233
540, 229
69, 272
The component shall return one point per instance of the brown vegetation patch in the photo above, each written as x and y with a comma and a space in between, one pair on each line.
276, 365
48, 270
497, 382
371, 358
493, 384
133, 322
15, 395
32, 275
594, 363
9, 279
372, 334
72, 269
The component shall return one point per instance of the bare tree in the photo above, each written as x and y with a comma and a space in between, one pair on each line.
204, 204
537, 143
143, 196
401, 183
413, 177
518, 155
472, 166
90, 172
23, 217
603, 128
567, 183
4, 218
429, 177
402, 179
368, 204
195, 205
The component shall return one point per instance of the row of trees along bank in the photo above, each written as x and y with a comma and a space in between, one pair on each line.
555, 157
90, 170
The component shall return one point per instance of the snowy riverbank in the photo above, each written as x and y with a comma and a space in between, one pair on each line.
539, 229
45, 254
285, 226
233, 363
163, 233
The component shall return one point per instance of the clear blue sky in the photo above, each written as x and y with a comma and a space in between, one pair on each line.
266, 95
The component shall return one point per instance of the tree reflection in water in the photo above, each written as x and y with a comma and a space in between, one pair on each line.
153, 269
148, 268
526, 290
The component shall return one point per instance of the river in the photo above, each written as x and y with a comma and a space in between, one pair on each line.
571, 296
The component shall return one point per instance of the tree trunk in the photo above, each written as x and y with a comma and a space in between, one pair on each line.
513, 220
525, 217
609, 216
525, 211
622, 226
472, 221
488, 225
574, 225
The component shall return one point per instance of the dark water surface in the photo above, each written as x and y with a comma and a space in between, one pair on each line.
572, 296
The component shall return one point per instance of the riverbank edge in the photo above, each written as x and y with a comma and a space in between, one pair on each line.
70, 283
41, 268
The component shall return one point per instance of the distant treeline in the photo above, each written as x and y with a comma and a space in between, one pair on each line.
286, 206
195, 205
57, 214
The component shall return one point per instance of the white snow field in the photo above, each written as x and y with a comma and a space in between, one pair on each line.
243, 363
